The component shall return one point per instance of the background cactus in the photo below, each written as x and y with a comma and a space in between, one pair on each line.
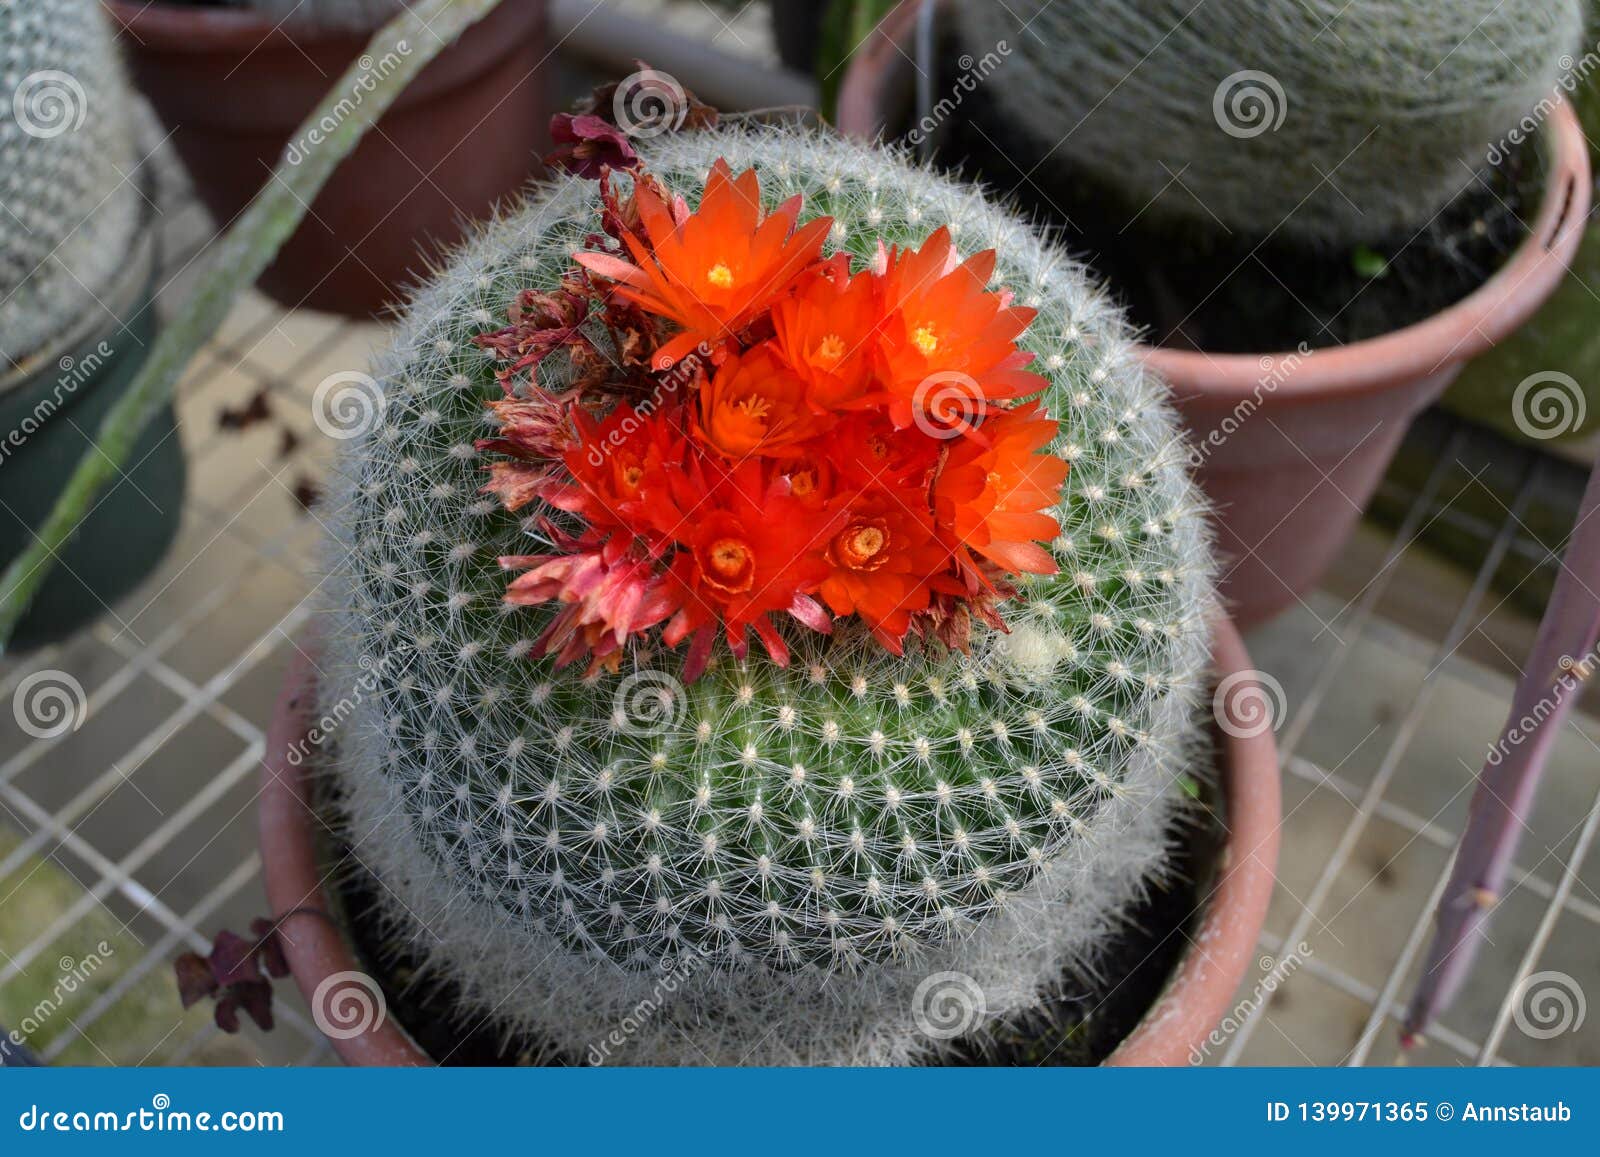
570, 853
1329, 120
69, 195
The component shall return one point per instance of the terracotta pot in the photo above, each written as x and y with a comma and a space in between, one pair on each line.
232, 88
1290, 447
1200, 992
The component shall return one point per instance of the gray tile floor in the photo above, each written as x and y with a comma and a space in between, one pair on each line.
132, 838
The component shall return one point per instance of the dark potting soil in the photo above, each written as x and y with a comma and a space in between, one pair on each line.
1193, 286
1069, 1029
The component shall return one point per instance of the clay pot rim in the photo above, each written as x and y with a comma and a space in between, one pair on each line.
1452, 336
157, 27
1175, 1028
181, 28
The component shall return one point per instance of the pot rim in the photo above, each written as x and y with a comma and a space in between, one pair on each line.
1177, 1025
1451, 337
155, 26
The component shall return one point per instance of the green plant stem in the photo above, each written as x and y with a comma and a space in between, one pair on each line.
355, 101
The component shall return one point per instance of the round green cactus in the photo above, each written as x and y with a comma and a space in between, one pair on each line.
69, 195
1331, 121
776, 860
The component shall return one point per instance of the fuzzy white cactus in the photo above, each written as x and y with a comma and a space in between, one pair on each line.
69, 196
1334, 121
768, 865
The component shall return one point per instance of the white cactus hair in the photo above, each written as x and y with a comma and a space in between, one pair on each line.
69, 196
1353, 119
767, 871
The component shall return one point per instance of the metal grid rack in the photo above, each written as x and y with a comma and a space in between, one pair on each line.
141, 820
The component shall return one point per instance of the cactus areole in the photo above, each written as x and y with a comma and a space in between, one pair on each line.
767, 583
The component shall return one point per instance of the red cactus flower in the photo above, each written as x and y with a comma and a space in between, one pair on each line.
886, 561
751, 549
943, 320
610, 461
716, 270
827, 333
867, 451
990, 492
755, 404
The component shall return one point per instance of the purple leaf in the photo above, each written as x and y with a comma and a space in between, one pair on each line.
233, 959
269, 950
255, 997
195, 980
226, 1014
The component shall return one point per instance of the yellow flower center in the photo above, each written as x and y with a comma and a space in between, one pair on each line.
720, 276
993, 478
862, 546
925, 339
755, 407
830, 349
729, 565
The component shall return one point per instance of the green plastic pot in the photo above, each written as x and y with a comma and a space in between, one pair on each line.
50, 406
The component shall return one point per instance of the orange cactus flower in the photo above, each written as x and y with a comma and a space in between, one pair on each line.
755, 404
886, 561
827, 333
991, 491
715, 270
943, 320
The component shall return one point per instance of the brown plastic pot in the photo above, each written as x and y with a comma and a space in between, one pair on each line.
1291, 446
1199, 994
233, 88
